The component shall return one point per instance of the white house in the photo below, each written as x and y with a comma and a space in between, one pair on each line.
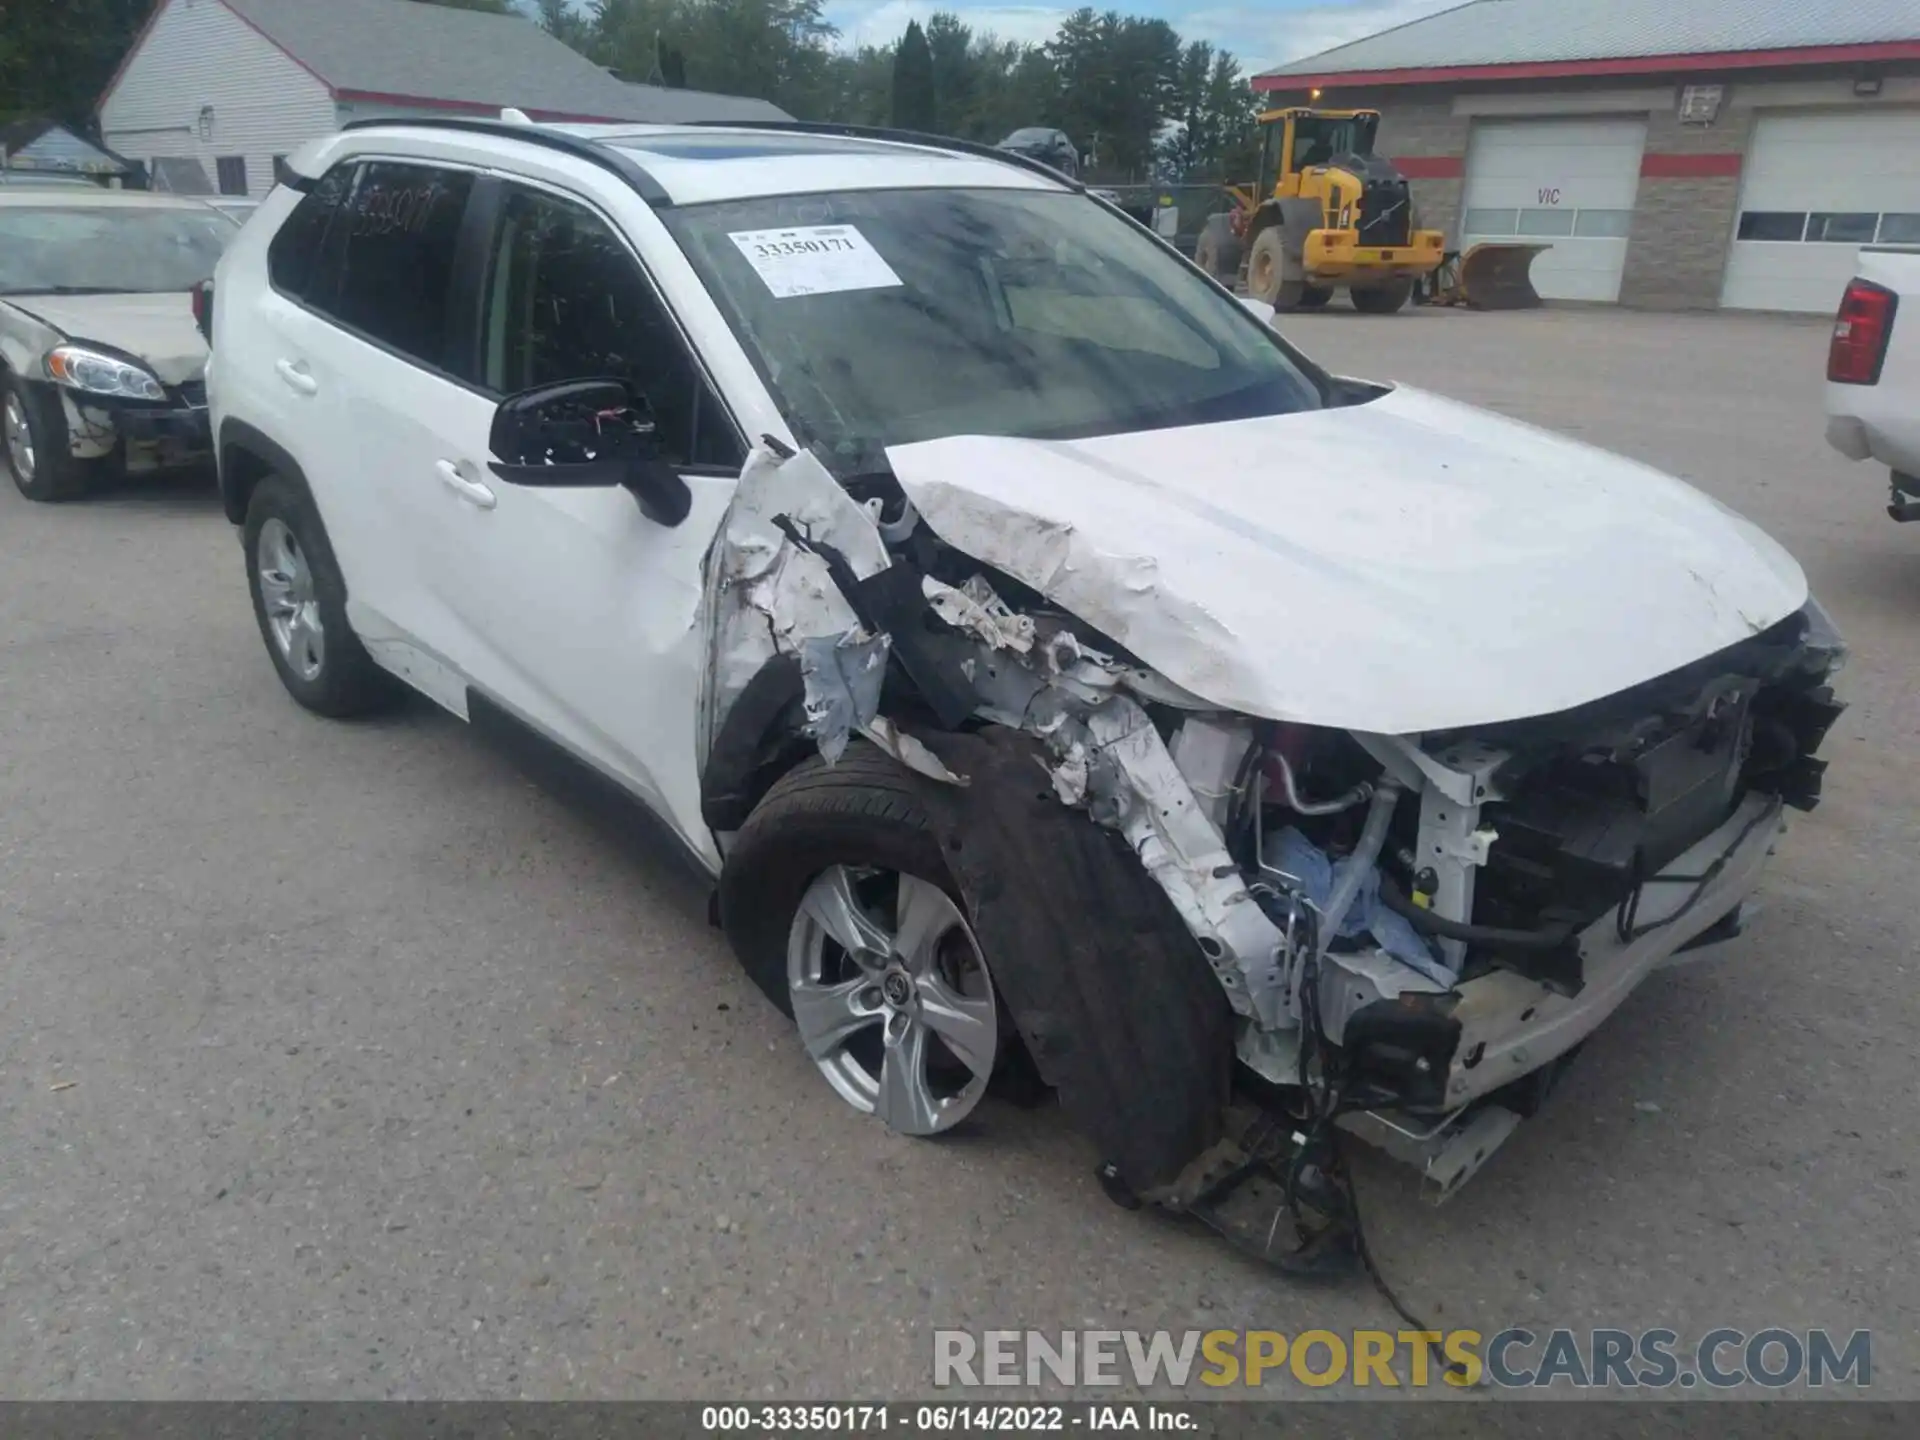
235, 85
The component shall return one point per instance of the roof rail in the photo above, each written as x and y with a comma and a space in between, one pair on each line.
905, 137
607, 157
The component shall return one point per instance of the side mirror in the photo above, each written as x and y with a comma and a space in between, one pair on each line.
1259, 309
587, 434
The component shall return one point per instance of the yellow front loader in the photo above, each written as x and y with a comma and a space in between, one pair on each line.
1338, 217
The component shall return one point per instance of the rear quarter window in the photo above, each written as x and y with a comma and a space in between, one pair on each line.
293, 256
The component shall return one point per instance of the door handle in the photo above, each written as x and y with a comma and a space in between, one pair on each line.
297, 377
471, 491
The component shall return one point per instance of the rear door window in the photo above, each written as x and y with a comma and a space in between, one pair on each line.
394, 242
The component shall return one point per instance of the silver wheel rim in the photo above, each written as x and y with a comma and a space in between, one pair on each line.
286, 592
897, 1012
19, 439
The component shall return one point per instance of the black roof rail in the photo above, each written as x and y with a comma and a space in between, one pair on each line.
607, 157
904, 137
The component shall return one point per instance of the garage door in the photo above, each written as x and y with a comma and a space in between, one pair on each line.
1565, 183
1814, 189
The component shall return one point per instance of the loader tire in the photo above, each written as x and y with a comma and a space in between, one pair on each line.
1382, 299
1315, 297
1267, 267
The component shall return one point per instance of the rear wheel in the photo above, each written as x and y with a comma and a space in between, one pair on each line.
841, 908
38, 454
300, 602
1382, 299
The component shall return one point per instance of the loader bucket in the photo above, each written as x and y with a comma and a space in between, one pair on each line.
1496, 276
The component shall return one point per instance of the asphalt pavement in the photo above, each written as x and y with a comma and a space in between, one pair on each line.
359, 1060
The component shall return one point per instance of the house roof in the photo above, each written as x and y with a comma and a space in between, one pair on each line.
689, 107
1483, 38
403, 52
19, 136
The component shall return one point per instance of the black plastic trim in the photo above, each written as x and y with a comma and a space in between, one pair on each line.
607, 157
904, 137
239, 435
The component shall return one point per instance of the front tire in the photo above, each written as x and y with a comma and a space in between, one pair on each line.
1267, 266
39, 456
300, 602
841, 908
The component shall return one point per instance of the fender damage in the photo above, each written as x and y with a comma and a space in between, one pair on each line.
1413, 907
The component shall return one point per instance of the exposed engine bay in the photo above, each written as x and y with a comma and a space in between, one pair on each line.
1412, 933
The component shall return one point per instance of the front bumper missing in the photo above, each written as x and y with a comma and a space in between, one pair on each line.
150, 437
1513, 1027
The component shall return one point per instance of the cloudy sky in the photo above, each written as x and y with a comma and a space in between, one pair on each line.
1262, 33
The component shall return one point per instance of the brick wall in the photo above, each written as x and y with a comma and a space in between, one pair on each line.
1683, 223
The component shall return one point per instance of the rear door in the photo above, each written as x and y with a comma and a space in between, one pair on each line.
381, 355
574, 610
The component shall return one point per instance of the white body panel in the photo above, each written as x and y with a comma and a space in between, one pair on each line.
1570, 184
1406, 565
158, 329
1860, 163
1882, 422
199, 54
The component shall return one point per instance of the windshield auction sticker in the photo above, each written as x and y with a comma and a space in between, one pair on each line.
814, 260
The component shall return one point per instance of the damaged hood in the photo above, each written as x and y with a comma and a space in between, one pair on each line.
157, 328
1405, 565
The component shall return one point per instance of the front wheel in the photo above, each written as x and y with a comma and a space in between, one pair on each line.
1267, 268
841, 908
42, 463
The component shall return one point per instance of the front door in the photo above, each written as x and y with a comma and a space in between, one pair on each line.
582, 615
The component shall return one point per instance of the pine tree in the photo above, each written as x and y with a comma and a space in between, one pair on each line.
913, 102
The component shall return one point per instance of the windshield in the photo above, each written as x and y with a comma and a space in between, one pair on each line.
1319, 139
108, 249
877, 318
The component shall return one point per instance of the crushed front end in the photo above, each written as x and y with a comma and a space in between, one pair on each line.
1411, 933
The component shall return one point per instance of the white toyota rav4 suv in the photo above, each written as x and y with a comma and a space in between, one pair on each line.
1056, 670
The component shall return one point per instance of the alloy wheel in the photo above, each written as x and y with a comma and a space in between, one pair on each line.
892, 997
19, 436
286, 592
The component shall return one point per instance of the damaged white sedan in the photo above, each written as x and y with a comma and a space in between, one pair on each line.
1062, 677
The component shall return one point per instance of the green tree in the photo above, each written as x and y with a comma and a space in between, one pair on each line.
954, 66
55, 59
914, 105
562, 20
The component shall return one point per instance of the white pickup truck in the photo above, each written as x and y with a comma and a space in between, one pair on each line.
1873, 371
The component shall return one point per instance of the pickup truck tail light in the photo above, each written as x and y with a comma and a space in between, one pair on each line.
1860, 334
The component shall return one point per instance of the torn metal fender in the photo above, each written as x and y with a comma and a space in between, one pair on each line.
1103, 979
1116, 757
765, 596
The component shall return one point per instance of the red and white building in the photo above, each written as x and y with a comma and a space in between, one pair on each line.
1708, 153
